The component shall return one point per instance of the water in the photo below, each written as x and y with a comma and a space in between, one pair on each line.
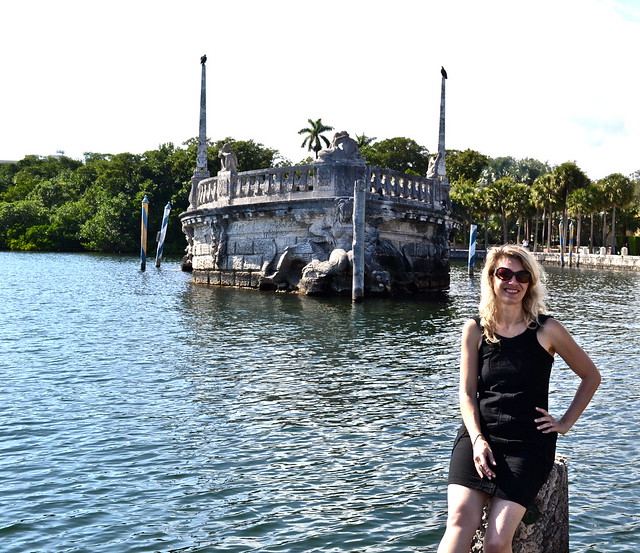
141, 413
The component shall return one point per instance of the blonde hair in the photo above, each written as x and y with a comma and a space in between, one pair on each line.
533, 303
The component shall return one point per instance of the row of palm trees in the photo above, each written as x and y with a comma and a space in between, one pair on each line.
553, 196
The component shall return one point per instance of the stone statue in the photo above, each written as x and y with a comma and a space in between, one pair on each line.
228, 159
432, 171
342, 148
339, 260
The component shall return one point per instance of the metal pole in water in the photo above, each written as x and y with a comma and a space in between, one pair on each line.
163, 233
472, 248
560, 225
143, 233
570, 241
357, 290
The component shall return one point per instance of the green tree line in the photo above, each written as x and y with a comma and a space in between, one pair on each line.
513, 200
55, 203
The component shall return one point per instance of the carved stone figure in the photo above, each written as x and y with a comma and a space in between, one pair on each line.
187, 259
342, 148
321, 277
432, 171
201, 160
335, 230
218, 242
228, 159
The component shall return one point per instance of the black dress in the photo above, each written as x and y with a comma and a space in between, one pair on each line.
513, 379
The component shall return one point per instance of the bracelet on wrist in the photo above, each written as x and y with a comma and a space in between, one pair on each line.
479, 435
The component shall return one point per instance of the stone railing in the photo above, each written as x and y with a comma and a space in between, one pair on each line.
393, 184
284, 182
275, 181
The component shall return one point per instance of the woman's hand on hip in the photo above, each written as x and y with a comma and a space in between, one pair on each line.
547, 423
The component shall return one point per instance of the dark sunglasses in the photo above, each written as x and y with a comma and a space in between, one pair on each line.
507, 274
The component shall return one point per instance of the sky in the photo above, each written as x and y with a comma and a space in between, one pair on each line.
554, 80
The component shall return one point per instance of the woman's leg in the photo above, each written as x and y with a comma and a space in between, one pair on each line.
465, 514
502, 523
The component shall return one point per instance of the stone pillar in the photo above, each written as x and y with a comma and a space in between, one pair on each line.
227, 183
441, 171
359, 194
545, 525
202, 170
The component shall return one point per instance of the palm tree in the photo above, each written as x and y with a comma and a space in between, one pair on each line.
363, 140
543, 197
507, 197
314, 137
567, 177
618, 192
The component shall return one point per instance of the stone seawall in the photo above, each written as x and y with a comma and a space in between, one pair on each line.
586, 260
591, 260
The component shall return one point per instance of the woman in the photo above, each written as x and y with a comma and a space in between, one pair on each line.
506, 446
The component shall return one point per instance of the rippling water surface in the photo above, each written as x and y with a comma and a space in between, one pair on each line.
142, 413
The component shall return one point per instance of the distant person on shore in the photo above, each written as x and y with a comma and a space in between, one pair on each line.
505, 448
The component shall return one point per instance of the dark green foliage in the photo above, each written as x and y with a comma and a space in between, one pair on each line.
398, 154
466, 165
57, 203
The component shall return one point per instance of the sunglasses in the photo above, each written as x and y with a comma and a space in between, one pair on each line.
507, 274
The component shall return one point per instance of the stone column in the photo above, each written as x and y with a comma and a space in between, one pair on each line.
202, 170
441, 171
545, 526
359, 194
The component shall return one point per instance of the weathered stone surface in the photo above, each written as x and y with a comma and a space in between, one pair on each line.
243, 279
278, 221
545, 526
265, 247
253, 262
243, 247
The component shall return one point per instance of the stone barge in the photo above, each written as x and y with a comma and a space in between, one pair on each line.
333, 227
292, 229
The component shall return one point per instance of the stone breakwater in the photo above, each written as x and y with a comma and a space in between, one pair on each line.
591, 260
587, 260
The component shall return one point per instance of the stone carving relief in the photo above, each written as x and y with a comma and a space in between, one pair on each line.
320, 277
187, 259
218, 241
432, 171
335, 230
343, 148
289, 267
201, 160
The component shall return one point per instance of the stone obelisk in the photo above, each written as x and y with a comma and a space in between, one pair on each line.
202, 170
441, 148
